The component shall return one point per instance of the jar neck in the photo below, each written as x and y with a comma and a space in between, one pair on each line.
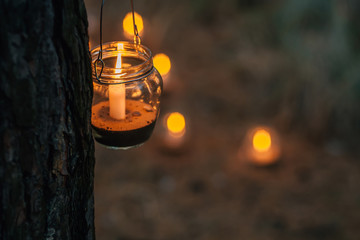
123, 62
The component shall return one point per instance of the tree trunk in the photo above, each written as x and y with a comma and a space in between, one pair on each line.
46, 146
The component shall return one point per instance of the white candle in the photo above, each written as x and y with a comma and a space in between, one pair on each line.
117, 93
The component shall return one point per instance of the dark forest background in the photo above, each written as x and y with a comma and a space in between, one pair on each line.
292, 65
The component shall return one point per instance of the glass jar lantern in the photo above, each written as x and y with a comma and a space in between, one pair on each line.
126, 95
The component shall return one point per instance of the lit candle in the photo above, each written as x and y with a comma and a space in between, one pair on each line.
175, 130
124, 117
117, 92
128, 24
262, 146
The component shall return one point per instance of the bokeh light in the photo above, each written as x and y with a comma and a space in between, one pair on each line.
128, 25
175, 123
262, 140
162, 63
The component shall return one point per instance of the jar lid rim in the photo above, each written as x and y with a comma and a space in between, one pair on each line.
141, 50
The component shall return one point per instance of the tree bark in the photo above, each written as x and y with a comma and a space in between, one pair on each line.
46, 146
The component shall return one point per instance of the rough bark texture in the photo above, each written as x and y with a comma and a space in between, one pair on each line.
46, 147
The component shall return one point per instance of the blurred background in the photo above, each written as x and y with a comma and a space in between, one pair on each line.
268, 94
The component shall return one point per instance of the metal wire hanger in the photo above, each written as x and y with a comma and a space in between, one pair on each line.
137, 39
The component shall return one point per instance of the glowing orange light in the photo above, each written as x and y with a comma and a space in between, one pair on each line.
128, 24
117, 92
176, 123
261, 140
120, 46
162, 63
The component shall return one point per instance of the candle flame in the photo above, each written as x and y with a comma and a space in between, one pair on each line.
176, 123
120, 46
262, 140
129, 26
162, 63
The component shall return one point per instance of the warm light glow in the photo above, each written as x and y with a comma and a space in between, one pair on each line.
117, 92
176, 123
129, 26
261, 140
120, 46
162, 63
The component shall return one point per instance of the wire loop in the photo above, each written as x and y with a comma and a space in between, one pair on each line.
99, 59
137, 40
95, 67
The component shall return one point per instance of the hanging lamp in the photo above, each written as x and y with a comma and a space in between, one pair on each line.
127, 90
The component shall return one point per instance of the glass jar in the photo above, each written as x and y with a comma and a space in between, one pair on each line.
126, 100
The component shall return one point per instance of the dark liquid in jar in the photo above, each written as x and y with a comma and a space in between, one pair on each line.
134, 130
